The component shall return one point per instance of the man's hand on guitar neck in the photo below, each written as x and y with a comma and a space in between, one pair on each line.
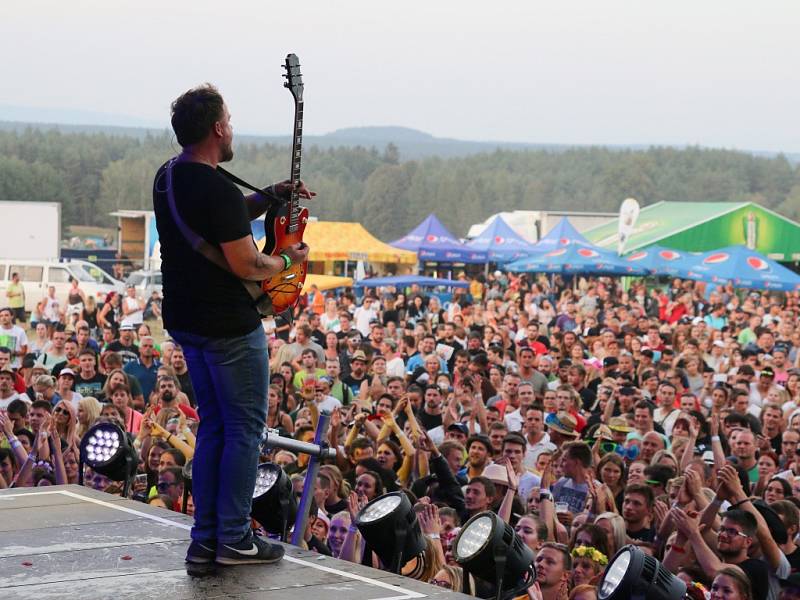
284, 190
257, 204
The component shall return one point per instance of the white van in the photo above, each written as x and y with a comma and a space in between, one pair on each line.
37, 275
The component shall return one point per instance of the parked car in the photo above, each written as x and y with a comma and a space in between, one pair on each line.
37, 275
145, 282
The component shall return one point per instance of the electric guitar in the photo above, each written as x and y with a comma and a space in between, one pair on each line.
287, 221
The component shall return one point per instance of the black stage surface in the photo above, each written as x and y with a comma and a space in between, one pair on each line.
73, 542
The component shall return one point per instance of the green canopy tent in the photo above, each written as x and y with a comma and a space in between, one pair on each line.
704, 226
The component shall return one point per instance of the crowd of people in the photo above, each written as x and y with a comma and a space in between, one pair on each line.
588, 416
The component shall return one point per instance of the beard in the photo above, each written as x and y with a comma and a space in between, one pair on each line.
226, 153
167, 396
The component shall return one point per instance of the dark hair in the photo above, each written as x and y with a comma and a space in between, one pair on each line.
660, 473
598, 534
42, 404
643, 490
195, 112
579, 451
515, 438
18, 407
180, 459
743, 519
488, 485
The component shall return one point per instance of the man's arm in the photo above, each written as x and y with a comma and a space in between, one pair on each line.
689, 527
247, 262
769, 546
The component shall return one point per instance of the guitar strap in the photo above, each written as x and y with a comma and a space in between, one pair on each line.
261, 301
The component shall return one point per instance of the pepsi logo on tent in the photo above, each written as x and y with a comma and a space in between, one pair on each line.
432, 238
499, 239
759, 264
716, 258
588, 253
563, 241
669, 255
637, 256
557, 252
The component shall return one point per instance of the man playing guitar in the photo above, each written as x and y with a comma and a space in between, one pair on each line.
208, 311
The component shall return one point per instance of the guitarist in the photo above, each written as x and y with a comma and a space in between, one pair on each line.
208, 311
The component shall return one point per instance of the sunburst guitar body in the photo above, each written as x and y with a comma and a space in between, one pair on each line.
284, 224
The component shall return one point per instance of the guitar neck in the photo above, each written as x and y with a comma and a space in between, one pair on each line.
297, 156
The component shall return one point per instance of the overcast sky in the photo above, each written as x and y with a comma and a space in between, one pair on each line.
710, 72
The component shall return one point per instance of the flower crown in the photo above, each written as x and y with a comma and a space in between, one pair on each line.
590, 553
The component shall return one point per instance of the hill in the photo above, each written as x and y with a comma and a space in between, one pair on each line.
411, 144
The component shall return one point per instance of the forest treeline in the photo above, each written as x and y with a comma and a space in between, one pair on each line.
95, 174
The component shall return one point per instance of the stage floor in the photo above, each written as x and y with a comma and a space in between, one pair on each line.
73, 542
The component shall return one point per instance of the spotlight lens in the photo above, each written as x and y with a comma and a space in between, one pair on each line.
265, 479
615, 574
379, 509
474, 537
92, 441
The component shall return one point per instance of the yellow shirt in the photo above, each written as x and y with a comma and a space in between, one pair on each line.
16, 295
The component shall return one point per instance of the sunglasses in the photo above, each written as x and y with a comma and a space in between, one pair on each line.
60, 411
164, 485
730, 531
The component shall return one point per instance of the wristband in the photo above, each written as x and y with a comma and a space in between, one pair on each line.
739, 503
15, 444
433, 536
287, 262
715, 438
352, 529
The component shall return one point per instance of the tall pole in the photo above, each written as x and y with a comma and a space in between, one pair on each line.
311, 479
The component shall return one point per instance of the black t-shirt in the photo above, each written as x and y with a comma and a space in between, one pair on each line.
429, 421
758, 574
90, 387
128, 354
794, 560
200, 297
354, 383
647, 534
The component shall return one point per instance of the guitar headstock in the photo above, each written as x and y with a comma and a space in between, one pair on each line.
294, 79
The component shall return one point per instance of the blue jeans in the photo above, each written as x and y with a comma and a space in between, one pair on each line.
230, 378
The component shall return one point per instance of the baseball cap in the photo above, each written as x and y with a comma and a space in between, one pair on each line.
767, 372
67, 371
126, 327
610, 361
7, 369
458, 427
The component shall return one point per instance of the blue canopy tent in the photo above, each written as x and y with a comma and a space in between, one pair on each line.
659, 260
575, 259
409, 280
563, 234
433, 243
744, 268
500, 242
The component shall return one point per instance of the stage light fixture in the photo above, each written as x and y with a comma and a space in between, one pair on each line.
634, 575
390, 528
274, 503
106, 449
488, 549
